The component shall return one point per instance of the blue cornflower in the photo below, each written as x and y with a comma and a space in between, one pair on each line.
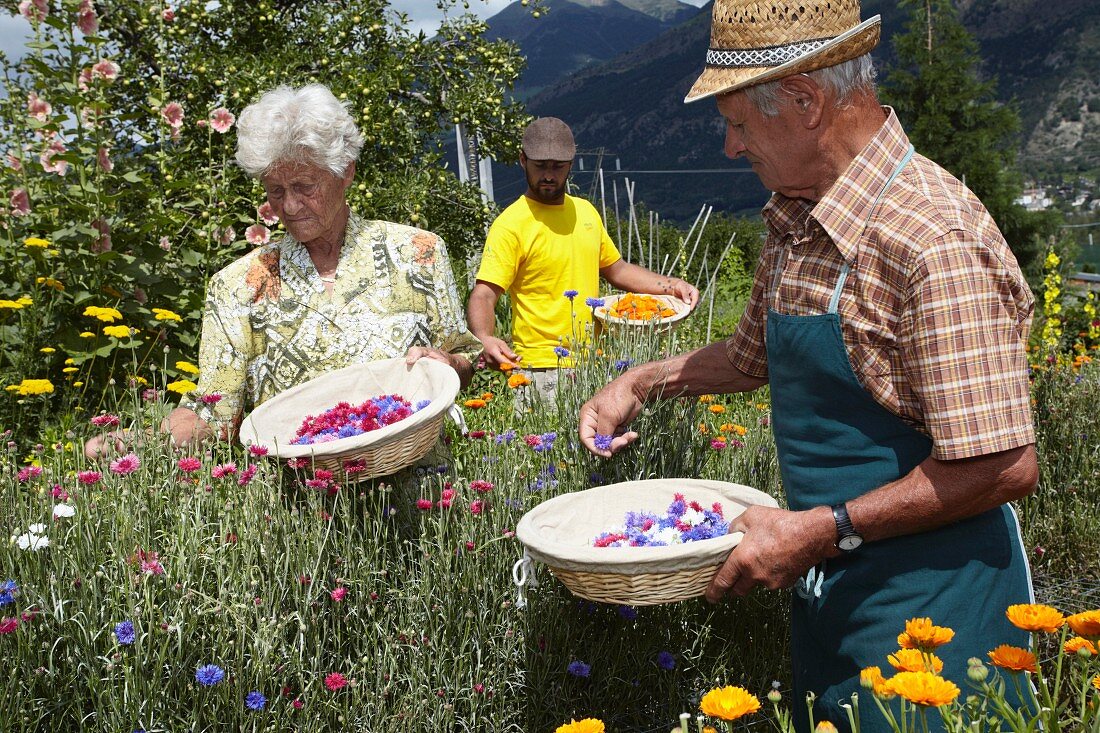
570, 294
506, 437
7, 592
593, 302
578, 668
621, 365
422, 404
628, 612
124, 632
209, 674
255, 700
603, 442
561, 351
666, 661
546, 442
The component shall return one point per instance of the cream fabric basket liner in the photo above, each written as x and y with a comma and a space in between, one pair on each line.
683, 310
559, 531
275, 423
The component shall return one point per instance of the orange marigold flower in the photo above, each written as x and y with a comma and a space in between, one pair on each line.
706, 398
825, 726
709, 729
588, 725
914, 660
507, 366
871, 678
474, 403
923, 688
487, 396
1077, 643
729, 703
1012, 657
1096, 682
1035, 617
717, 409
518, 380
921, 633
1086, 623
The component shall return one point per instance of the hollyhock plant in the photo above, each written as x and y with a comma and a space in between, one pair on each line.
20, 202
34, 10
86, 19
683, 522
257, 234
38, 108
172, 114
108, 71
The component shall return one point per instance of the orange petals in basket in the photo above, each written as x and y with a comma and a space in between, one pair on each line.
634, 307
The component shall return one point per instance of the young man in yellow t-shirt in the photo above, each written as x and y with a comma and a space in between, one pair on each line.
547, 251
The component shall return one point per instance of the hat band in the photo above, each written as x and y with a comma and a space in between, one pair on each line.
756, 57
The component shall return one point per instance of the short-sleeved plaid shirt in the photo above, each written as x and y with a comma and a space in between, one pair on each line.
935, 312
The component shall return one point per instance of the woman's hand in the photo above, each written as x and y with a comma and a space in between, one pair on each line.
457, 362
116, 441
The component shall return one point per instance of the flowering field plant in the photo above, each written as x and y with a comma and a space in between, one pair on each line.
345, 421
684, 521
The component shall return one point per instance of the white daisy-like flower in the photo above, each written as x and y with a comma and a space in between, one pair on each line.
32, 541
63, 511
693, 517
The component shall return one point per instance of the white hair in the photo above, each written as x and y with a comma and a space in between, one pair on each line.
845, 79
307, 125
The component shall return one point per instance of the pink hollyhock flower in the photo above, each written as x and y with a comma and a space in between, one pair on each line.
225, 236
105, 421
126, 464
8, 625
257, 234
20, 202
247, 474
336, 681
108, 71
34, 10
103, 243
189, 464
86, 19
84, 81
165, 244
104, 159
267, 214
477, 507
169, 14
423, 504
221, 120
338, 594
172, 114
200, 123
13, 162
89, 478
26, 474
481, 487
46, 158
224, 469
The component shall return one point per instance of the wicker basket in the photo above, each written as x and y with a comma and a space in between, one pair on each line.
660, 325
378, 453
559, 533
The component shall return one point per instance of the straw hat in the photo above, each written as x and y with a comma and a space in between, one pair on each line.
752, 41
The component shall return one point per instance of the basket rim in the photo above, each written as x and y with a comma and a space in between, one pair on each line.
250, 434
637, 560
683, 310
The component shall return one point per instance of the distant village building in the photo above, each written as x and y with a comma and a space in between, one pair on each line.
1084, 281
1034, 199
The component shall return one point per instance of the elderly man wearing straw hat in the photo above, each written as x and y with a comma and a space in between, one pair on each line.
548, 250
889, 318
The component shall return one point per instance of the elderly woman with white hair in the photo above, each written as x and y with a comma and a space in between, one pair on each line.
336, 290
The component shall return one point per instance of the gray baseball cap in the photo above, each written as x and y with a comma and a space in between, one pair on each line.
548, 138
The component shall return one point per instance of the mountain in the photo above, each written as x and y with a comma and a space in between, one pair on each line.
1045, 56
571, 34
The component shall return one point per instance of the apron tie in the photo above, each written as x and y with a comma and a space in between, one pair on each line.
809, 587
523, 574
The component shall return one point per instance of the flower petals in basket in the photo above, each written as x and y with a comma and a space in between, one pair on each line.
559, 534
375, 453
668, 310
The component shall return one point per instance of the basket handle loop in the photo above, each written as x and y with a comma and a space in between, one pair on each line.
455, 414
523, 574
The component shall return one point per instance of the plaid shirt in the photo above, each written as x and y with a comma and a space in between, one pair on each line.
935, 312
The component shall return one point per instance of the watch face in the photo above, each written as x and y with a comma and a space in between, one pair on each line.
849, 543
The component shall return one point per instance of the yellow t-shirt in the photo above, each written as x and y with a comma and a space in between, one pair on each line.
536, 253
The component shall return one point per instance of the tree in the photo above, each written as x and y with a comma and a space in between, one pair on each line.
951, 115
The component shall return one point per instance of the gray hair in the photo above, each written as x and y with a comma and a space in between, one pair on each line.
845, 79
307, 125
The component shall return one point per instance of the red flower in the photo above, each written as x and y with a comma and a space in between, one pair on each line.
336, 681
258, 450
338, 594
481, 486
424, 504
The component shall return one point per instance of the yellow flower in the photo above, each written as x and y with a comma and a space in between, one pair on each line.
871, 678
70, 360
118, 332
47, 349
923, 688
588, 725
761, 405
920, 633
1013, 657
825, 726
70, 370
709, 729
1035, 617
163, 314
182, 386
717, 409
12, 304
187, 367
706, 398
78, 384
1077, 643
1086, 623
474, 403
107, 315
134, 379
49, 282
1096, 682
507, 366
518, 380
729, 703
87, 335
914, 660
35, 242
740, 429
35, 386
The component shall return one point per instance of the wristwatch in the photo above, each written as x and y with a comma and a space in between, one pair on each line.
847, 539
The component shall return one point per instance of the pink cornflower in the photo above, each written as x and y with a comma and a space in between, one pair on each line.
20, 202
86, 19
297, 704
336, 681
8, 625
338, 594
189, 464
470, 546
126, 464
29, 472
59, 493
481, 487
423, 504
108, 71
34, 10
211, 399
267, 214
172, 114
257, 450
322, 474
477, 507
257, 234
105, 421
148, 562
221, 120
246, 475
224, 469
718, 444
152, 567
297, 462
89, 478
477, 434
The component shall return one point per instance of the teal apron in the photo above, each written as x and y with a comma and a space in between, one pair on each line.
835, 443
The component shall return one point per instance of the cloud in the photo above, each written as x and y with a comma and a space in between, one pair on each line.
14, 33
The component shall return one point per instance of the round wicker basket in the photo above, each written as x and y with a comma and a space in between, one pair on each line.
559, 534
377, 453
682, 311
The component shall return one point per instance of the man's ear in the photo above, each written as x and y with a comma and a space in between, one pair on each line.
806, 98
522, 159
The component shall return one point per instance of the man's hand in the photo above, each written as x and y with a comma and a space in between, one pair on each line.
497, 352
684, 290
608, 413
777, 549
